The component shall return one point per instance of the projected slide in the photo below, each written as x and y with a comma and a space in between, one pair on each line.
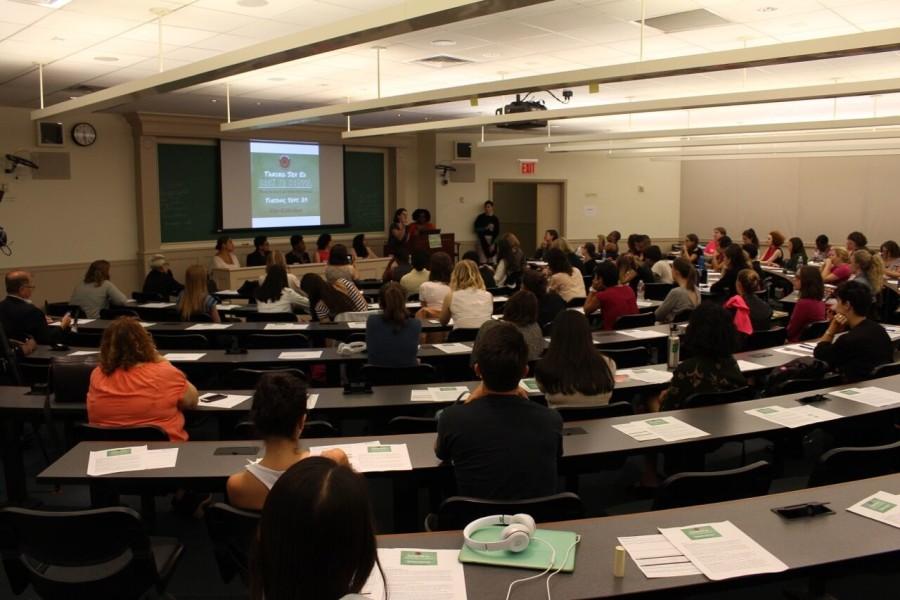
285, 185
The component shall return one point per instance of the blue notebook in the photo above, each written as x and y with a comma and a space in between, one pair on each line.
536, 556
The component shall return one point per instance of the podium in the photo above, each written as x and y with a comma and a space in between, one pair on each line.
431, 241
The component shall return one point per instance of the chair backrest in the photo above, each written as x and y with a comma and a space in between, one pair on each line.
246, 379
575, 302
657, 291
768, 338
319, 429
714, 398
403, 425
462, 335
636, 320
98, 433
232, 532
579, 413
458, 511
116, 312
848, 464
276, 340
886, 370
70, 378
690, 488
413, 297
626, 358
58, 309
423, 373
196, 318
795, 386
84, 339
683, 316
276, 317
9, 364
142, 297
181, 341
102, 553
814, 330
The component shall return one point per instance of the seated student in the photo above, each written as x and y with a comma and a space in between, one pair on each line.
195, 298
277, 258
340, 265
418, 275
160, 280
392, 336
823, 248
749, 237
467, 303
890, 256
23, 321
810, 307
327, 301
278, 416
486, 272
633, 272
711, 339
686, 296
224, 258
692, 251
323, 248
612, 298
868, 269
565, 280
573, 372
589, 256
510, 261
549, 303
798, 255
521, 312
736, 260
396, 238
661, 269
397, 267
134, 385
712, 247
836, 269
573, 258
316, 537
502, 445
865, 345
751, 313
612, 244
96, 291
433, 291
716, 262
260, 253
361, 248
550, 236
275, 295
856, 240
298, 254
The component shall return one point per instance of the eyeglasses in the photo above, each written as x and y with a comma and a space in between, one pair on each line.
30, 285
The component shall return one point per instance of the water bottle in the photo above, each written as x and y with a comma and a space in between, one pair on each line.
74, 326
673, 347
640, 293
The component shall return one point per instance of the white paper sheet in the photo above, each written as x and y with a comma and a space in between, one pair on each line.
229, 401
83, 353
183, 356
646, 375
146, 324
644, 303
883, 507
642, 334
421, 396
746, 365
656, 557
530, 385
300, 354
372, 457
794, 350
722, 551
286, 326
453, 348
448, 393
157, 305
356, 324
311, 401
873, 396
226, 307
116, 460
668, 429
413, 574
795, 416
414, 304
208, 326
80, 322
164, 458
637, 430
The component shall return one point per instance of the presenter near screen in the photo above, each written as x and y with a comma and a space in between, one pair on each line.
487, 227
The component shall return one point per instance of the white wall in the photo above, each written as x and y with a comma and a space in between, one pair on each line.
92, 215
610, 185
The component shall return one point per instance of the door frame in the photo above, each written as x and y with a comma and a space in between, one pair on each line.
563, 183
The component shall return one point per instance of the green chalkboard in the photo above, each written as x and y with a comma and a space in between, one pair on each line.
189, 193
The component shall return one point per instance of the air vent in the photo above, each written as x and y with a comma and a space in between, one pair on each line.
82, 89
442, 60
44, 3
686, 21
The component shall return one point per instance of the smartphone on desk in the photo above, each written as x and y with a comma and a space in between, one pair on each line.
212, 397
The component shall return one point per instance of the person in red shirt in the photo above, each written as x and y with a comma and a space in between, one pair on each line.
810, 307
134, 385
612, 299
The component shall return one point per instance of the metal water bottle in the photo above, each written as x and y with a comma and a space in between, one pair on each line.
673, 347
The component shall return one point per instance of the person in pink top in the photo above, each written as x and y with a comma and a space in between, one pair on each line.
713, 245
612, 299
810, 307
134, 385
837, 268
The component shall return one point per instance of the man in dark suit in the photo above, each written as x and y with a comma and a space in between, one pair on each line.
258, 257
21, 319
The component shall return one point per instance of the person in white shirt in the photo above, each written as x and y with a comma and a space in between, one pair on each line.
565, 279
468, 303
276, 296
224, 257
661, 269
413, 280
277, 258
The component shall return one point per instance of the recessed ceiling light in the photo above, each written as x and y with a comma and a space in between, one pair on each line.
107, 58
45, 3
767, 9
443, 43
252, 3
277, 78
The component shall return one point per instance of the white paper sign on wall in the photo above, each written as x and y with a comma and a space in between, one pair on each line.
590, 210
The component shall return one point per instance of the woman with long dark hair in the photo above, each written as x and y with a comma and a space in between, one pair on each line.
810, 307
392, 337
275, 294
510, 261
685, 296
361, 248
328, 301
565, 279
736, 260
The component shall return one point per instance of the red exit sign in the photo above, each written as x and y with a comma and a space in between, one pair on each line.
527, 167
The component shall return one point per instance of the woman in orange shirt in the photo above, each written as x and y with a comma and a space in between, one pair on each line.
134, 385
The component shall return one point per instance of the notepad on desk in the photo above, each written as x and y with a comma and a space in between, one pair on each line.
157, 305
642, 334
536, 556
83, 353
646, 375
667, 429
881, 506
656, 557
745, 366
300, 355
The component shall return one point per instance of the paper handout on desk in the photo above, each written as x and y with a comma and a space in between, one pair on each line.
413, 574
157, 305
796, 416
176, 356
530, 385
372, 457
883, 506
311, 400
646, 375
229, 401
438, 394
797, 349
83, 353
286, 326
130, 458
642, 333
208, 326
356, 324
656, 557
746, 365
300, 354
456, 348
721, 550
873, 396
667, 429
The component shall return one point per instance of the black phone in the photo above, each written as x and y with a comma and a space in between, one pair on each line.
237, 450
809, 509
213, 397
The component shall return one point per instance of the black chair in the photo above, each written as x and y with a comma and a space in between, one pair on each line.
116, 312
458, 511
796, 386
626, 358
575, 302
768, 338
85, 554
59, 309
246, 379
258, 317
83, 339
245, 430
462, 335
70, 378
657, 291
423, 373
683, 316
144, 297
849, 464
886, 370
690, 488
413, 297
715, 398
9, 361
232, 532
277, 340
181, 341
195, 318
814, 330
579, 413
636, 320
404, 425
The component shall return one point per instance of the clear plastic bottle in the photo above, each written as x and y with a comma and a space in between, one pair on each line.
673, 347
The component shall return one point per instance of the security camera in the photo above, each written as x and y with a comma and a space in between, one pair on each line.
444, 169
567, 95
15, 161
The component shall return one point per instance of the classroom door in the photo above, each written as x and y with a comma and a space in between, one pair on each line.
515, 204
550, 206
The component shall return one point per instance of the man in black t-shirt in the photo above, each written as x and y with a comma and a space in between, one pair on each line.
258, 257
487, 227
503, 446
